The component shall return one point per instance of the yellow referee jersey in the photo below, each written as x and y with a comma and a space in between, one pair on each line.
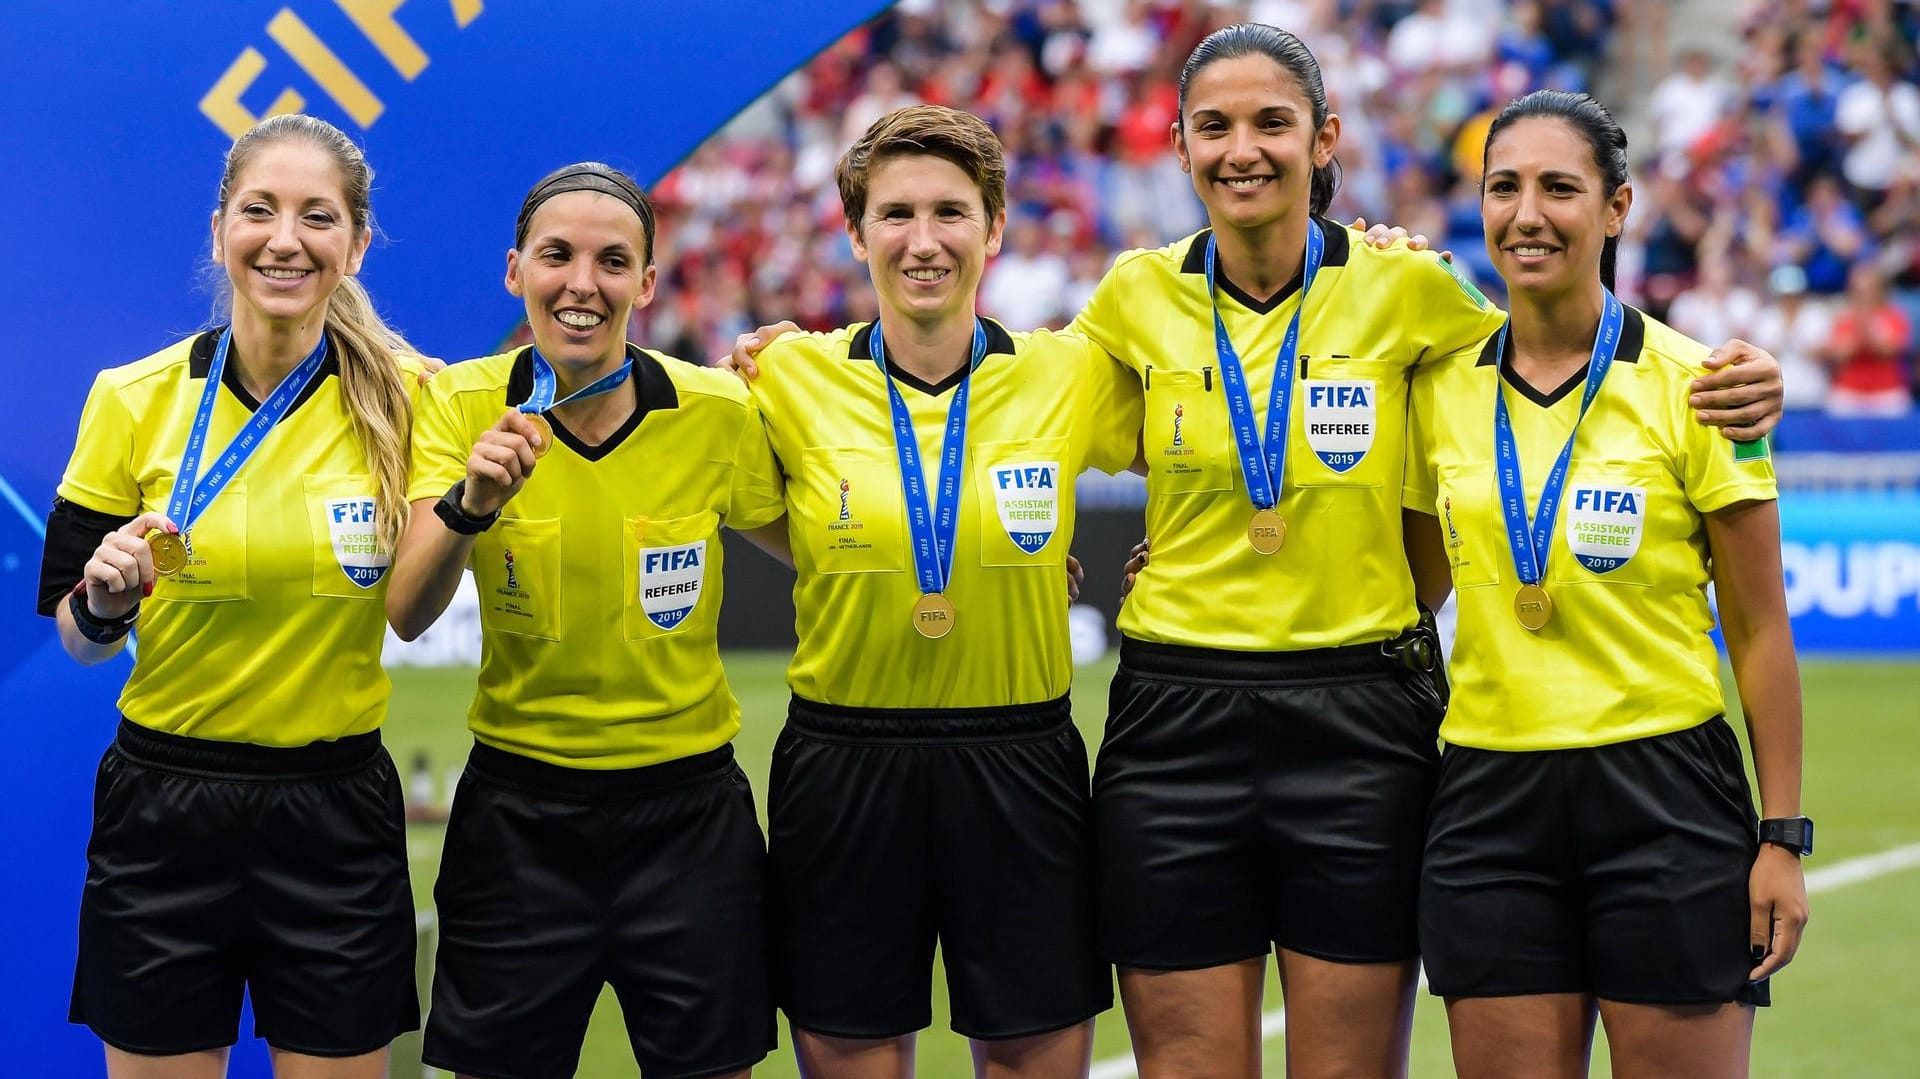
272, 632
600, 584
1341, 577
1044, 406
1627, 652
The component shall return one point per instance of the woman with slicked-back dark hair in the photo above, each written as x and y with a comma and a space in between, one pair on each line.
1593, 849
1270, 752
601, 833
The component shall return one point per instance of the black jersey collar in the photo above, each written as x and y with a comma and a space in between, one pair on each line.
861, 348
1633, 336
200, 361
1334, 255
652, 387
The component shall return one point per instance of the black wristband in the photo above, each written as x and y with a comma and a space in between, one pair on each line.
99, 631
448, 509
1794, 834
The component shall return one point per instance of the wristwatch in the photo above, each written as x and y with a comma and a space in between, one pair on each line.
448, 510
1792, 833
93, 627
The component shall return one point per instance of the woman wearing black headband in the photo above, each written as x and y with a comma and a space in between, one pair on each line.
602, 832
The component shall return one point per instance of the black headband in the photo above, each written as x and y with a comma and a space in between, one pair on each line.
586, 177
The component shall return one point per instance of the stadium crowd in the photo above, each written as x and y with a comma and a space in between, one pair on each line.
1778, 195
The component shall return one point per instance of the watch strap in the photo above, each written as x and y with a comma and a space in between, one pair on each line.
1793, 833
94, 628
457, 519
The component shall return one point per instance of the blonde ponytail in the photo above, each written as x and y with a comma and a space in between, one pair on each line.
375, 391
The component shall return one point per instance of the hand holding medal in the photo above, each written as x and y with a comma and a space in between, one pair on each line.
501, 461
170, 547
546, 384
123, 567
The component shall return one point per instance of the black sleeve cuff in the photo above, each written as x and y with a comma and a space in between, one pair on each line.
73, 533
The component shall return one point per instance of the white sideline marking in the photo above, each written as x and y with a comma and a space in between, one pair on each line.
1825, 879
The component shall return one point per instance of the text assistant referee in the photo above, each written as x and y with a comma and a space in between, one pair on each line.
248, 828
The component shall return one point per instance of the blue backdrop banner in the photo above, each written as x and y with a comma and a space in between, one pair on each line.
1853, 571
117, 117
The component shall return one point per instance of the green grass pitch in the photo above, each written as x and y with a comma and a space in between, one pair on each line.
1844, 1008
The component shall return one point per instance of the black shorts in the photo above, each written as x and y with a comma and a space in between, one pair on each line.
218, 866
891, 828
1617, 870
1244, 800
557, 880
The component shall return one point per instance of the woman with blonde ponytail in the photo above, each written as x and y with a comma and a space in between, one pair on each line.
248, 831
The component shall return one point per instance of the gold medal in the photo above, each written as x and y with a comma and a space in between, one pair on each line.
1533, 607
1267, 531
541, 425
169, 552
933, 615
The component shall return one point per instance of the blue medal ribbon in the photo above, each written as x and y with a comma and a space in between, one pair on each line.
1262, 464
932, 529
545, 385
1530, 542
191, 495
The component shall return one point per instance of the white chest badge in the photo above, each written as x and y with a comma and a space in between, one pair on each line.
1604, 525
356, 547
670, 580
1340, 420
1028, 498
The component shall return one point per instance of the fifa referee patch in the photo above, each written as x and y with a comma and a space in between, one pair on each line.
670, 581
1757, 450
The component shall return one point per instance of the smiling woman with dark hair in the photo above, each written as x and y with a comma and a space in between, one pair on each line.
1593, 846
602, 832
1270, 752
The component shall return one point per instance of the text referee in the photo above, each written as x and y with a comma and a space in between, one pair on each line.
601, 832
1270, 751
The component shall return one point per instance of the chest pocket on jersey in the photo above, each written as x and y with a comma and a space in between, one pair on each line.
1189, 439
851, 514
216, 569
516, 568
347, 560
1342, 405
667, 576
1471, 527
1018, 485
1605, 515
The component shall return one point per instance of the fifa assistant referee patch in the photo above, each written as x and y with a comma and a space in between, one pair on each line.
356, 548
670, 581
1758, 450
1027, 495
1604, 525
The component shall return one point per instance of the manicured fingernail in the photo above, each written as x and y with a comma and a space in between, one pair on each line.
146, 589
1758, 951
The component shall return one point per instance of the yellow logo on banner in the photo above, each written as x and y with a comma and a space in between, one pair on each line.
373, 17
